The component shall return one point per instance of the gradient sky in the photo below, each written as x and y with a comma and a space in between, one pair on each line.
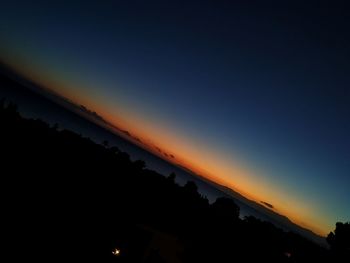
252, 95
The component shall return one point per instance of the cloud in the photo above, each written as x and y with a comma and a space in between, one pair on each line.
168, 155
126, 133
138, 139
158, 149
267, 204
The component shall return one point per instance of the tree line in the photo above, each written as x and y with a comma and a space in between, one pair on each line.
66, 197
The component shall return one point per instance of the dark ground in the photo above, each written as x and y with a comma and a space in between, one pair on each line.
67, 198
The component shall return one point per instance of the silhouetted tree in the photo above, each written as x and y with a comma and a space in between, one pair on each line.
139, 164
55, 126
191, 187
11, 107
114, 149
172, 177
339, 240
225, 208
105, 143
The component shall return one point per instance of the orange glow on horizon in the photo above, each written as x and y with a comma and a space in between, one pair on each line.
211, 164
231, 175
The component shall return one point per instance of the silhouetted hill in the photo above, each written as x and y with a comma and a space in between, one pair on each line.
277, 219
269, 215
19, 83
262, 212
66, 197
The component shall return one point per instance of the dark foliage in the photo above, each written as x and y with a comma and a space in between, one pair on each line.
339, 241
66, 198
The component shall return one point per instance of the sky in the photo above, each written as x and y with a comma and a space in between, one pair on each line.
254, 95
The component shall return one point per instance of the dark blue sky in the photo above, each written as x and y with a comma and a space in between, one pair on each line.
254, 87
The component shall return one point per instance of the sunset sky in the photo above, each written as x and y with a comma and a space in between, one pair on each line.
253, 96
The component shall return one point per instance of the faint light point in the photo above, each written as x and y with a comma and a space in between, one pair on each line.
116, 252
